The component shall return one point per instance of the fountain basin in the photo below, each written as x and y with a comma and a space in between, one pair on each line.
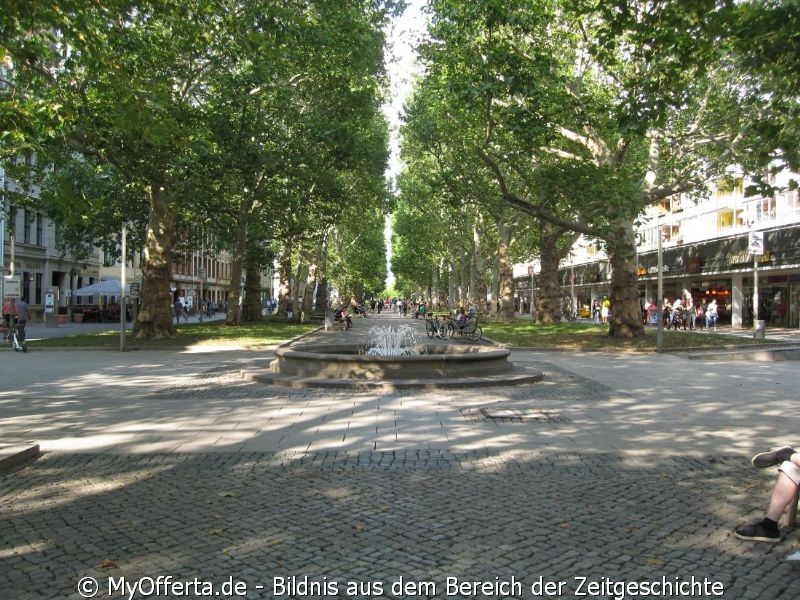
349, 362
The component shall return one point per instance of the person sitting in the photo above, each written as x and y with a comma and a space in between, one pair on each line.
343, 317
421, 311
461, 318
783, 494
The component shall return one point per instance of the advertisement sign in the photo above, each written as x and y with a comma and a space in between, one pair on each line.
13, 287
756, 240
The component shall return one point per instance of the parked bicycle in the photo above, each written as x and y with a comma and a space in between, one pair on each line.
465, 328
436, 327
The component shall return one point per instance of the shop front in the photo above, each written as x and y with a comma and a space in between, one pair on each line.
724, 270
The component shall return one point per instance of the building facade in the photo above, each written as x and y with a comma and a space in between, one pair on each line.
706, 252
29, 252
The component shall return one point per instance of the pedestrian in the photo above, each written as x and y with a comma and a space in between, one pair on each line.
712, 315
700, 314
179, 311
766, 530
689, 313
677, 315
653, 312
605, 309
8, 310
22, 311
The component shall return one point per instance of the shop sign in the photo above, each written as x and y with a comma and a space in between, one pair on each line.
739, 257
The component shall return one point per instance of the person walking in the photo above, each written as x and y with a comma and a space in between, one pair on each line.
179, 311
690, 314
22, 311
712, 315
700, 314
8, 310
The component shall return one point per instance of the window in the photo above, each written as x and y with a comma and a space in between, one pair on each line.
671, 233
37, 298
762, 210
39, 229
26, 227
26, 288
725, 219
728, 186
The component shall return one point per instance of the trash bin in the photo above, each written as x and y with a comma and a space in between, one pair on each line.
760, 331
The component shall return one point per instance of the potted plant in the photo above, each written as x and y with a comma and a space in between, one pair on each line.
77, 315
62, 315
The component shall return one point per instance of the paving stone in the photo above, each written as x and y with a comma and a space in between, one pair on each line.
363, 516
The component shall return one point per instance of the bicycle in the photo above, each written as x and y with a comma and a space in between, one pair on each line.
436, 328
14, 333
468, 329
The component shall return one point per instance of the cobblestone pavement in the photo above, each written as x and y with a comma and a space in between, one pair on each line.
416, 516
190, 472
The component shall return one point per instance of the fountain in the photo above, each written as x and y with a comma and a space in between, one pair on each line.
391, 357
392, 341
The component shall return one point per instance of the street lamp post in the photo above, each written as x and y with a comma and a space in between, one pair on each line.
2, 250
530, 272
123, 307
756, 247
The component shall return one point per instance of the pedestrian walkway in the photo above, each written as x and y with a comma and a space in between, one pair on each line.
38, 331
628, 468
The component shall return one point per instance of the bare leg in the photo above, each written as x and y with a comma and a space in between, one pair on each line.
782, 495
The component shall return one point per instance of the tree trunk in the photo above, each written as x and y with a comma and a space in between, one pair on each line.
308, 293
154, 319
285, 275
548, 303
234, 317
505, 271
436, 285
480, 266
626, 310
296, 292
464, 272
322, 275
251, 307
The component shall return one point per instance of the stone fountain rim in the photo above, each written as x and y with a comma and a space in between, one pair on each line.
332, 352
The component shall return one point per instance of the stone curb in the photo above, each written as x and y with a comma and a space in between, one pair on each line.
13, 456
521, 376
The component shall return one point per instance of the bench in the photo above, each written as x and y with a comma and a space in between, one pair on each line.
327, 320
